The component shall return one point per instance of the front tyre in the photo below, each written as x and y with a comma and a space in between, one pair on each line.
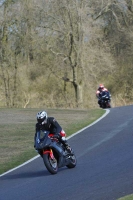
51, 164
73, 161
108, 105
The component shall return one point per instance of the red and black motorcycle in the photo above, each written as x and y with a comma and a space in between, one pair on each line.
54, 154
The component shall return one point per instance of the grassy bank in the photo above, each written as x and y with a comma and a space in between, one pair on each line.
17, 129
129, 197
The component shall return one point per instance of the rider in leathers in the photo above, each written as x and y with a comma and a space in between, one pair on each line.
46, 123
100, 89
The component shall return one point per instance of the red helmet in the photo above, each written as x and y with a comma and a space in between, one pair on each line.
101, 86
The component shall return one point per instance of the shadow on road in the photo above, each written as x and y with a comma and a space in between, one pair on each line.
29, 174
26, 175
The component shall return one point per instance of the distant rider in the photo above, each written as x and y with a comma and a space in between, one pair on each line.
100, 89
46, 123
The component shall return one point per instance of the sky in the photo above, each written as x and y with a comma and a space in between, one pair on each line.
1, 1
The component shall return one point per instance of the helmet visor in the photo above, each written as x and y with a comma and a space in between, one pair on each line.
42, 120
101, 87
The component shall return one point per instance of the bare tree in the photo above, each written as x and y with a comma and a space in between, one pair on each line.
118, 30
63, 22
55, 53
8, 77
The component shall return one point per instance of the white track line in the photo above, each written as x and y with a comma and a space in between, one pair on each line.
107, 111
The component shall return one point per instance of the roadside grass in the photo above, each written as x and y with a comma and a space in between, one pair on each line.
129, 197
17, 129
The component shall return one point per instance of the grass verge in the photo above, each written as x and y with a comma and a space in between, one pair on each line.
129, 197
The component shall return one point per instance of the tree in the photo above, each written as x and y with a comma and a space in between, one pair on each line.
55, 53
118, 29
8, 76
63, 20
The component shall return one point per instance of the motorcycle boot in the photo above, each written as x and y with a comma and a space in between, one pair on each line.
66, 145
68, 148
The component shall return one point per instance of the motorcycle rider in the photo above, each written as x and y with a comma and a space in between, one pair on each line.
46, 123
100, 89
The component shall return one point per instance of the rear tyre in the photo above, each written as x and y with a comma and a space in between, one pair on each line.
51, 164
73, 161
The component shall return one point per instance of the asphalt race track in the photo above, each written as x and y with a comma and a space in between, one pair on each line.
104, 170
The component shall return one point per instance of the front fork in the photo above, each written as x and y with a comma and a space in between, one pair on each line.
50, 152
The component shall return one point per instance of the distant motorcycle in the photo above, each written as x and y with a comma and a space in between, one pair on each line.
105, 99
54, 154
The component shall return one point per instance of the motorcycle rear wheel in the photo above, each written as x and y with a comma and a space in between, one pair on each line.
73, 161
51, 164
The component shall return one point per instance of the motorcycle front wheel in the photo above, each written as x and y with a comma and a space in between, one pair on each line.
51, 164
108, 105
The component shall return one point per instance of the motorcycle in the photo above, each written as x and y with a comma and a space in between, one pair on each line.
54, 153
105, 99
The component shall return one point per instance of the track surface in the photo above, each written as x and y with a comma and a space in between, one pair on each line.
104, 170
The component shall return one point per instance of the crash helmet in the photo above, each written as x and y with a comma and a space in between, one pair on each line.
42, 117
101, 87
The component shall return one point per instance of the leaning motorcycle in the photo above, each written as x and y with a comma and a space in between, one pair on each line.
105, 100
54, 154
